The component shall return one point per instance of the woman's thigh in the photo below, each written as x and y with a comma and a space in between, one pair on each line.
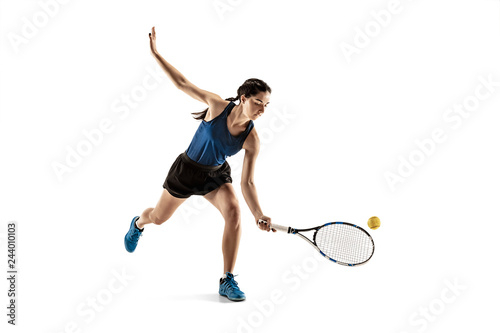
225, 200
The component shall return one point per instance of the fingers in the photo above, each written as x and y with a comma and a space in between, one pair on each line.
265, 225
268, 224
261, 224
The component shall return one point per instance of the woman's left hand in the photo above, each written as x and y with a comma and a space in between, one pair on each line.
266, 225
152, 41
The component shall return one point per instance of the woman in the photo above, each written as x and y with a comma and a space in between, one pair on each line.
202, 169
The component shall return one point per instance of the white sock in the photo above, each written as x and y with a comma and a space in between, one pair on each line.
137, 225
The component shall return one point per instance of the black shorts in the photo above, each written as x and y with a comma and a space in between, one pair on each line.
187, 177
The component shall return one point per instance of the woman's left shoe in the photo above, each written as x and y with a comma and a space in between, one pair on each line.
132, 236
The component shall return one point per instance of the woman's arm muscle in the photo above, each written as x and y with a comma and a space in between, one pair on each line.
207, 97
248, 188
186, 86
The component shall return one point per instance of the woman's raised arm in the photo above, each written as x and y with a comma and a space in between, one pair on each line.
180, 80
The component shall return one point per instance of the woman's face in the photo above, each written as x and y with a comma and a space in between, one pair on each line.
256, 105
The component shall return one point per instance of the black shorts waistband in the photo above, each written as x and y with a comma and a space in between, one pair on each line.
186, 159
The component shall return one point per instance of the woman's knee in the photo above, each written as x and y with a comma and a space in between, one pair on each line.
232, 214
165, 208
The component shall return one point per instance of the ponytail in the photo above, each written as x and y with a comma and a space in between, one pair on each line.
201, 115
249, 88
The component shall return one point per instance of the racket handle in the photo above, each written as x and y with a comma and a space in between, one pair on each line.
280, 228
277, 226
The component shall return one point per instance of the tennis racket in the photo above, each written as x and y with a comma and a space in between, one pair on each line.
341, 242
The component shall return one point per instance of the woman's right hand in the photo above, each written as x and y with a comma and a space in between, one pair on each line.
264, 223
152, 40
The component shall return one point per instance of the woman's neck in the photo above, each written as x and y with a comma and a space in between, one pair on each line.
237, 118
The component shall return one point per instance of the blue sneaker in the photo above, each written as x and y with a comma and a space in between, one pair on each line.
229, 287
132, 236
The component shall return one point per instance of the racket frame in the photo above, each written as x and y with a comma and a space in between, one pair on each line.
295, 231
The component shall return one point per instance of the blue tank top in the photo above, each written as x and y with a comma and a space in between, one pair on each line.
213, 143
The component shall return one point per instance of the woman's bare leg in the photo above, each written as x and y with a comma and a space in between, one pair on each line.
225, 200
164, 209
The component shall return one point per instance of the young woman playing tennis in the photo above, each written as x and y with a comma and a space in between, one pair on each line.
202, 169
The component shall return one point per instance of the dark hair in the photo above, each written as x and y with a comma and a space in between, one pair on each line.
249, 88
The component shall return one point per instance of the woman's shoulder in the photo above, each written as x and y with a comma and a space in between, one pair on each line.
252, 141
215, 108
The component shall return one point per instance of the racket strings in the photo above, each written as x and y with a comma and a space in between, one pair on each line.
344, 243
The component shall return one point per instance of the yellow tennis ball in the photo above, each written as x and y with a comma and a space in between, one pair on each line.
374, 222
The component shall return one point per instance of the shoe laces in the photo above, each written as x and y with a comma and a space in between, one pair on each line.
230, 281
134, 235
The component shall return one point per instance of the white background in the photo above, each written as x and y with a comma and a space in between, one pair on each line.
335, 127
